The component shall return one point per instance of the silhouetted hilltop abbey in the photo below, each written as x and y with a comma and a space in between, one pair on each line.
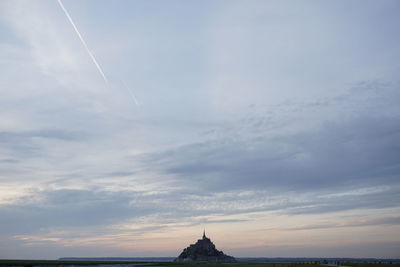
203, 250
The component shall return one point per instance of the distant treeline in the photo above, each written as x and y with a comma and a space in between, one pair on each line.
146, 259
319, 260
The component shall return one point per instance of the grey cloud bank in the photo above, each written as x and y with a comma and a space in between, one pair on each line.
342, 152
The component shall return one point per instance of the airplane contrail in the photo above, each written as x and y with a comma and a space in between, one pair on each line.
131, 94
83, 41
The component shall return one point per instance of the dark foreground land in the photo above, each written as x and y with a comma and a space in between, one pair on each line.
82, 263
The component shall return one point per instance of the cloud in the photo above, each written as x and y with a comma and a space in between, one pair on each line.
41, 211
366, 222
72, 208
346, 151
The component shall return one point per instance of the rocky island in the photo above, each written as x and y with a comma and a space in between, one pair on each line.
203, 251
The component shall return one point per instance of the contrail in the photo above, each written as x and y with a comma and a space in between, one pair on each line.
83, 41
131, 94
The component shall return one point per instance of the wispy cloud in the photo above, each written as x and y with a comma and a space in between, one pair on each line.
366, 222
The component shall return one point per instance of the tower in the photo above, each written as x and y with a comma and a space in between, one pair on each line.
204, 234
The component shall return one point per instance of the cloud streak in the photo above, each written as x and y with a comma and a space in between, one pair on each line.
357, 223
131, 94
83, 41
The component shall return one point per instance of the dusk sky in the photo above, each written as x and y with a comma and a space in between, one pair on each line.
274, 125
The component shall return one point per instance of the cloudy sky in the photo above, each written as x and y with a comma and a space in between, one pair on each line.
275, 125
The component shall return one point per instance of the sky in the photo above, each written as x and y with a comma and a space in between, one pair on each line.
274, 125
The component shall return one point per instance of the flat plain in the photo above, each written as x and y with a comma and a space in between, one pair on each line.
58, 263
